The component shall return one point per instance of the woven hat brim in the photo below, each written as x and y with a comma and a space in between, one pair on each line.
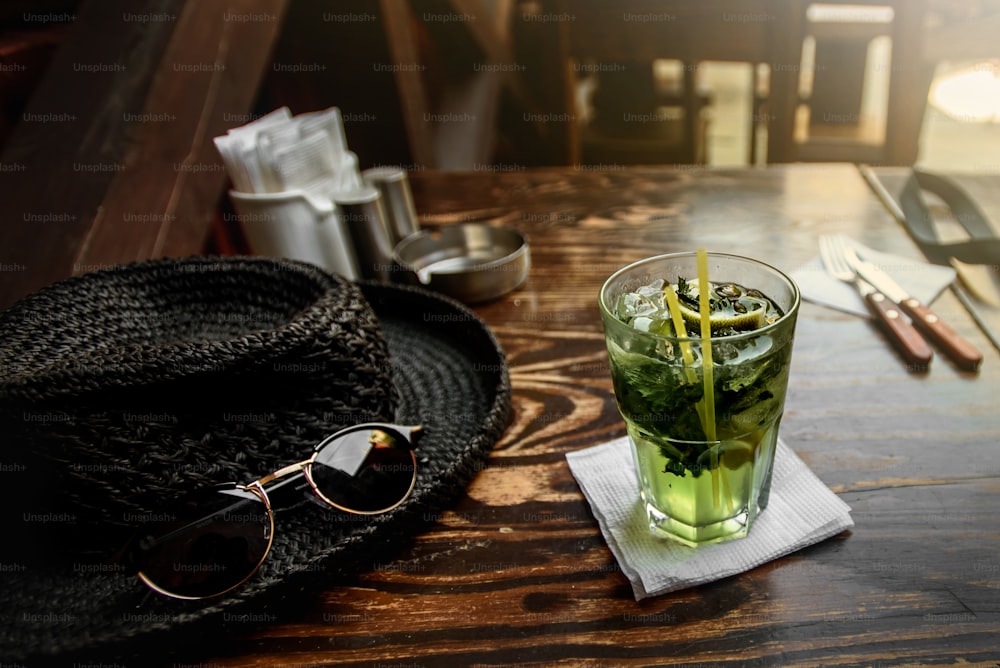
452, 378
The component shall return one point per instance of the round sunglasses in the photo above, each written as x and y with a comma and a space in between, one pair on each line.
217, 540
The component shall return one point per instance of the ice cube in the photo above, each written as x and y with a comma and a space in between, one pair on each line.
642, 323
652, 290
625, 308
723, 351
645, 307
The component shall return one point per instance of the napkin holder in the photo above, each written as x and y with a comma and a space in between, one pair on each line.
293, 225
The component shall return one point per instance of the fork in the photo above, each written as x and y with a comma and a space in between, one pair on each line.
834, 250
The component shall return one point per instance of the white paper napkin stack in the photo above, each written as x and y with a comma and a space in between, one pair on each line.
279, 152
802, 511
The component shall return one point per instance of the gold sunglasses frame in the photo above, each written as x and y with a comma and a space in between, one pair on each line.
410, 434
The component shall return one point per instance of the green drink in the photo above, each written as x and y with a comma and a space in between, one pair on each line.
703, 435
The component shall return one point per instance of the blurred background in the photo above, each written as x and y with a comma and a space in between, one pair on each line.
462, 84
108, 108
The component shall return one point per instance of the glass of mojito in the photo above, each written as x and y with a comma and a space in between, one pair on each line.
701, 385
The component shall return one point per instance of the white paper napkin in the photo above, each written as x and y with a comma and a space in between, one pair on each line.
801, 511
922, 280
281, 153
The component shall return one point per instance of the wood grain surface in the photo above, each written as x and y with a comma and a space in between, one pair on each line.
517, 573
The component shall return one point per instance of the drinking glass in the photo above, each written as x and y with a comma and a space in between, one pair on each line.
696, 489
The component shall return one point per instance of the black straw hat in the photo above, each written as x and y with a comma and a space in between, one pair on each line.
124, 389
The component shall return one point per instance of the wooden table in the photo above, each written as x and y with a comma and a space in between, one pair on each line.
517, 573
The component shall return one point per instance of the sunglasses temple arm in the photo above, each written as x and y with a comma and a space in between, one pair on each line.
280, 473
145, 597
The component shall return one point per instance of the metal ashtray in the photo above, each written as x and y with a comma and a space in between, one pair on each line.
473, 262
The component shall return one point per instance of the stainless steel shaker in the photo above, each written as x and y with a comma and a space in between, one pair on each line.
364, 217
397, 200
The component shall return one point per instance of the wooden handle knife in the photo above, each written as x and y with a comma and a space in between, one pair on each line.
960, 351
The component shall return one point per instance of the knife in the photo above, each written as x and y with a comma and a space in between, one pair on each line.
902, 334
839, 258
961, 352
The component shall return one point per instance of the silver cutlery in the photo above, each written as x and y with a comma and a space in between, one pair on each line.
965, 355
837, 255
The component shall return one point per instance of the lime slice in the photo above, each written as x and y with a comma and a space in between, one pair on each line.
748, 321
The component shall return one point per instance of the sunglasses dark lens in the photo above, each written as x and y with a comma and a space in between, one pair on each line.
366, 471
211, 545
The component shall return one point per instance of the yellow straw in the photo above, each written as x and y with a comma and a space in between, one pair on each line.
705, 315
706, 346
680, 330
705, 407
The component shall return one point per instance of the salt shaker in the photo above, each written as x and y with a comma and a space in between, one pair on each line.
397, 199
